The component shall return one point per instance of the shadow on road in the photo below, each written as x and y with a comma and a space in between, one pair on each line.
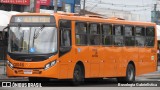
89, 83
68, 83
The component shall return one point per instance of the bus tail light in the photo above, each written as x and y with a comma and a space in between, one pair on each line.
50, 64
10, 64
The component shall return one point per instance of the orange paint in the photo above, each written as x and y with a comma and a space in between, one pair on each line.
98, 60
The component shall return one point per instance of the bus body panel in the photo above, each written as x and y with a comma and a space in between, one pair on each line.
99, 61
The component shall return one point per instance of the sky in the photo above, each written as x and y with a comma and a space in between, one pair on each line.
142, 8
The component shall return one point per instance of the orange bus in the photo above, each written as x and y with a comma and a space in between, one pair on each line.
68, 46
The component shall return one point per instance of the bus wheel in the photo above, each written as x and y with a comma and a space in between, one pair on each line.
78, 75
130, 75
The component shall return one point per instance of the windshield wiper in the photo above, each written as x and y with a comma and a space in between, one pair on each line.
37, 34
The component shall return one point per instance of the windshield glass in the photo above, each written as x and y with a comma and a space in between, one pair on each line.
32, 40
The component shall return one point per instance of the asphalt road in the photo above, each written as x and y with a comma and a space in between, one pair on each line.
84, 88
109, 84
151, 78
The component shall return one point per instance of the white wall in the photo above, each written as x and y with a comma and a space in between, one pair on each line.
5, 18
158, 32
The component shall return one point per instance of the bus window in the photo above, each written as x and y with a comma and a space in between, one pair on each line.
129, 36
150, 31
107, 34
139, 31
118, 38
65, 36
150, 34
139, 36
81, 33
94, 35
65, 23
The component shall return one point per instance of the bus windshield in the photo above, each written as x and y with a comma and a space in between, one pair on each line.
22, 40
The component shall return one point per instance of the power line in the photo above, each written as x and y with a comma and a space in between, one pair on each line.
126, 6
134, 10
120, 5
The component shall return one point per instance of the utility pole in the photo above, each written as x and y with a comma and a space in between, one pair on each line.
84, 5
155, 13
63, 6
35, 4
55, 6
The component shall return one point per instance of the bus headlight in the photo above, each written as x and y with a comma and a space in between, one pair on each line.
50, 64
10, 64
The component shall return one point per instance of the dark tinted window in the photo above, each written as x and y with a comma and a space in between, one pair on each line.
128, 30
118, 30
81, 28
65, 33
150, 36
107, 37
150, 41
65, 38
81, 33
65, 23
129, 36
107, 29
94, 28
94, 34
139, 31
140, 41
150, 31
140, 36
118, 38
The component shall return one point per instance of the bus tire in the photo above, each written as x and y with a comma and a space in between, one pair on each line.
130, 75
78, 75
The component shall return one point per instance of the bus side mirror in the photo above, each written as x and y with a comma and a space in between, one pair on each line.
4, 32
5, 35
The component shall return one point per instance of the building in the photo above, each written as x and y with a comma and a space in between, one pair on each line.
14, 5
155, 17
127, 15
29, 5
114, 13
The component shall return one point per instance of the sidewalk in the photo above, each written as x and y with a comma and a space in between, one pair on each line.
154, 75
2, 62
3, 76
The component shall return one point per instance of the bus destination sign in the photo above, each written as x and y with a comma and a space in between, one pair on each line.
31, 19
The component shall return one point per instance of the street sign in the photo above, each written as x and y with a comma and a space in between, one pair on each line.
19, 2
45, 2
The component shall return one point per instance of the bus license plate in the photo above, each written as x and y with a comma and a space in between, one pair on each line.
27, 71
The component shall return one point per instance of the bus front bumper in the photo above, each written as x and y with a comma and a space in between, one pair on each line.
52, 72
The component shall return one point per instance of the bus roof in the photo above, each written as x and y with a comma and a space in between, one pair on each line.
33, 14
91, 18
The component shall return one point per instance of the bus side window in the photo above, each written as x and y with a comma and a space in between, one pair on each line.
107, 37
129, 36
118, 38
81, 33
65, 36
140, 36
94, 34
150, 34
